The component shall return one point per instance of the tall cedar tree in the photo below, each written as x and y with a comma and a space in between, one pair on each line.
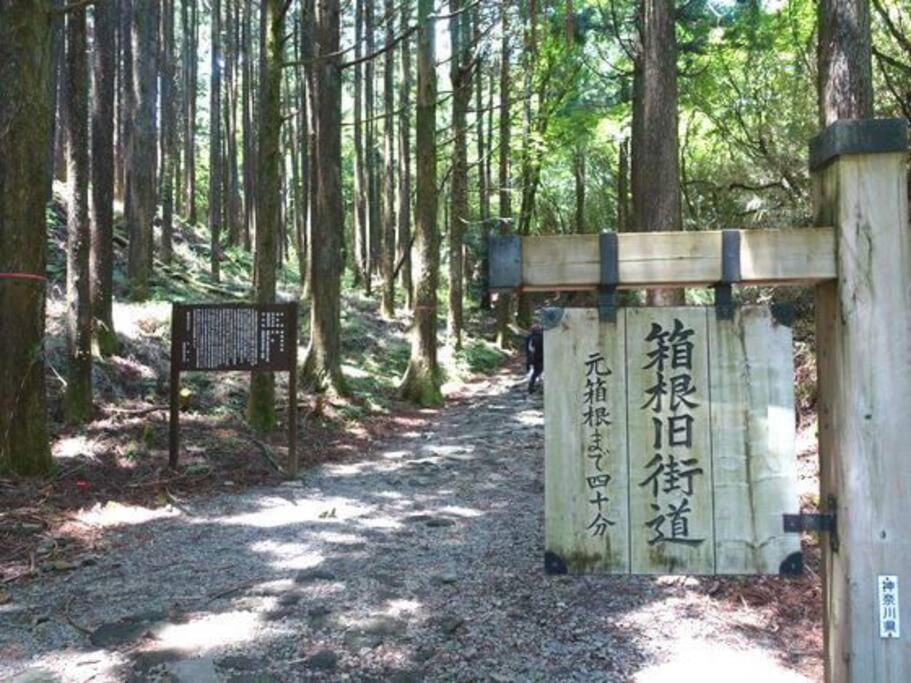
168, 128
25, 59
504, 299
421, 383
77, 403
403, 208
261, 405
844, 61
659, 195
190, 19
482, 165
388, 301
460, 74
216, 211
360, 178
370, 151
249, 142
102, 251
322, 365
141, 161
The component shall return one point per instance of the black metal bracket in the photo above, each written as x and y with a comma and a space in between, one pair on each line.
730, 273
610, 277
818, 522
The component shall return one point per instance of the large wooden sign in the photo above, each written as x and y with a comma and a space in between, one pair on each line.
670, 442
221, 337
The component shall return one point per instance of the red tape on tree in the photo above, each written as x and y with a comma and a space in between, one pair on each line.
23, 276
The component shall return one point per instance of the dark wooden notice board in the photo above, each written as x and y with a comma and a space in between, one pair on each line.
234, 336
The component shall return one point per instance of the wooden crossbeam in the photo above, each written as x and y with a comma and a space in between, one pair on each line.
792, 256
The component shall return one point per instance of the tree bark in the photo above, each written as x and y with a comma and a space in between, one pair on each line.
844, 61
322, 365
168, 128
374, 230
25, 60
261, 404
421, 383
460, 74
659, 198
102, 228
504, 299
53, 86
191, 43
361, 242
141, 163
216, 210
579, 177
404, 195
623, 186
233, 208
77, 402
483, 168
249, 143
388, 302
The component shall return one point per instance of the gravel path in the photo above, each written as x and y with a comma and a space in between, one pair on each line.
422, 561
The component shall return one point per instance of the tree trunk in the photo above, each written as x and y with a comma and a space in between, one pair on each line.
191, 59
77, 403
261, 404
142, 159
659, 197
126, 109
102, 229
249, 143
361, 242
421, 383
374, 229
504, 299
53, 85
168, 128
579, 177
623, 186
404, 197
322, 366
388, 303
460, 74
216, 211
844, 61
483, 167
25, 60
233, 207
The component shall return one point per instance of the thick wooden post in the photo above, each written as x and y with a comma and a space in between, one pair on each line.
863, 324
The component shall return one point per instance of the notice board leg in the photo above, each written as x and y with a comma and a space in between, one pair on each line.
174, 425
292, 398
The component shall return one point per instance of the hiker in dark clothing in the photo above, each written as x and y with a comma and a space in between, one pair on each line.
534, 355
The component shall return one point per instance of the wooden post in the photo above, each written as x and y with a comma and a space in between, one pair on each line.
863, 327
292, 396
174, 427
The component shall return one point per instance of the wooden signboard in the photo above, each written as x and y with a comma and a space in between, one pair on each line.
221, 337
669, 442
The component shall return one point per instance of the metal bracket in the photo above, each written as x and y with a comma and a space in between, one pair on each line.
610, 277
816, 522
504, 259
730, 273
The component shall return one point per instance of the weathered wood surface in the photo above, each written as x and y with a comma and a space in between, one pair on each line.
687, 546
863, 333
753, 441
729, 399
674, 259
567, 496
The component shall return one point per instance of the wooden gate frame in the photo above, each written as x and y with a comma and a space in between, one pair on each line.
859, 263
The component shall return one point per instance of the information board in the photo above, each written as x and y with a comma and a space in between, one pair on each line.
669, 442
234, 336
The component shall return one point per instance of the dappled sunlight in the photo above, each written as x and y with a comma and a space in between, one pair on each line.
135, 321
530, 418
73, 447
113, 514
458, 511
276, 512
208, 631
705, 661
289, 555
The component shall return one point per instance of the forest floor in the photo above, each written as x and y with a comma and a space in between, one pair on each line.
419, 558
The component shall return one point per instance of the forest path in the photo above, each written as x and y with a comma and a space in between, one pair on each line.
421, 561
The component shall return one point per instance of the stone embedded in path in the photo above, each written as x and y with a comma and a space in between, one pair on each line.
35, 676
314, 574
125, 630
324, 660
201, 670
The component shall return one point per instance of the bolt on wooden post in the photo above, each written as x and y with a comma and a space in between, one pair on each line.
863, 334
